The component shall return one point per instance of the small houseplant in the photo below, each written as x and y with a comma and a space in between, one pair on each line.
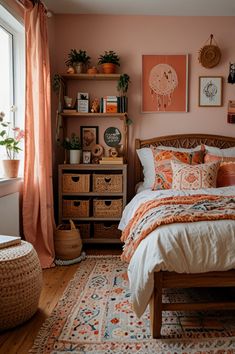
10, 138
109, 61
78, 59
74, 146
122, 87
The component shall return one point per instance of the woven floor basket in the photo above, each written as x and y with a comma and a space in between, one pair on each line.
20, 284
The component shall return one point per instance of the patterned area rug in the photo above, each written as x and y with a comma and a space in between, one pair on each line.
95, 316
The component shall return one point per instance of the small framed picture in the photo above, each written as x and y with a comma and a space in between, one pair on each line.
89, 137
210, 91
86, 157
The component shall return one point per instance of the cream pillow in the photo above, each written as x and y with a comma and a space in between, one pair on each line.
194, 176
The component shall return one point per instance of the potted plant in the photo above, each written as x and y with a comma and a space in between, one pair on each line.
109, 61
74, 146
78, 59
122, 87
10, 138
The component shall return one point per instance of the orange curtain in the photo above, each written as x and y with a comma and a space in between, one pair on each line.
38, 213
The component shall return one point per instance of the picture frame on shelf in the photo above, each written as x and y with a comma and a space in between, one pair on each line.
89, 136
83, 102
210, 91
86, 156
165, 83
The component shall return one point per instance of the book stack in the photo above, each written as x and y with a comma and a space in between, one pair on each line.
111, 161
7, 241
231, 112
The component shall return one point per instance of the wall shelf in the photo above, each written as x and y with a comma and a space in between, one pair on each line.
105, 77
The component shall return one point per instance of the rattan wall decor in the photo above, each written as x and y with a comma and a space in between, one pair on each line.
209, 54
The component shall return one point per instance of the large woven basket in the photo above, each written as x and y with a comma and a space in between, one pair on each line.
20, 284
67, 241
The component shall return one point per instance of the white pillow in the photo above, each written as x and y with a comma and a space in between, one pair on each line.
230, 152
146, 159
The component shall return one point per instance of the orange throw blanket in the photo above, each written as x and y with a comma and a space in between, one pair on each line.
155, 213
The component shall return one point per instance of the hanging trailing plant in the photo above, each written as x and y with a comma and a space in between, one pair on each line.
123, 84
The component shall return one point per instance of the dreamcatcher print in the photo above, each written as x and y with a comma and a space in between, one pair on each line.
163, 80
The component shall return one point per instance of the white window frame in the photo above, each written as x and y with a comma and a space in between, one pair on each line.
16, 29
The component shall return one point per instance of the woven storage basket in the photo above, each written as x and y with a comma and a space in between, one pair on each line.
75, 208
84, 230
106, 230
107, 183
67, 241
107, 208
20, 284
76, 183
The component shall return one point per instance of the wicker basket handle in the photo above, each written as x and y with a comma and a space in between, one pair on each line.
108, 179
75, 178
72, 224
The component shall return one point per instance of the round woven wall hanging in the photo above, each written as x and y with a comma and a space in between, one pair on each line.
210, 54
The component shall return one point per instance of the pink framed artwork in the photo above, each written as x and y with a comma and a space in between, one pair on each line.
164, 83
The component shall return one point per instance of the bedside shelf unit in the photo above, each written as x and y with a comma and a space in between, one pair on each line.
93, 196
75, 115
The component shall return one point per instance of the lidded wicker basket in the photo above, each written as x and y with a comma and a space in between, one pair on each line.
209, 54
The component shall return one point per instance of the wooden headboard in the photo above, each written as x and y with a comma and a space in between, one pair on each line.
181, 141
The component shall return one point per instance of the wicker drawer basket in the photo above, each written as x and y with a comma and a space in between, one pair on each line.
84, 230
107, 208
75, 208
107, 183
75, 183
106, 230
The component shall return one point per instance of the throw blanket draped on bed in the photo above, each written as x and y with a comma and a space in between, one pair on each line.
155, 213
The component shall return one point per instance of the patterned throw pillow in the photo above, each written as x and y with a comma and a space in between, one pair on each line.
194, 177
226, 173
162, 164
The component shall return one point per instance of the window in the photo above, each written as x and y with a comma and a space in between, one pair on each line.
12, 73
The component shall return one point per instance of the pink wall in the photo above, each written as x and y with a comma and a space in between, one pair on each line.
132, 36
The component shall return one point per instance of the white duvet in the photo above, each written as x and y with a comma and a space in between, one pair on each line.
181, 247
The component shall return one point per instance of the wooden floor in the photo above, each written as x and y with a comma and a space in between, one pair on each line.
20, 339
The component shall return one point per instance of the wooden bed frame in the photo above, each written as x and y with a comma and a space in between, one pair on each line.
164, 279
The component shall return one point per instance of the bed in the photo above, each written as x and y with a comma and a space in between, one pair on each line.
171, 279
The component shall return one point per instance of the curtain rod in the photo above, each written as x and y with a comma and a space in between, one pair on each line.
21, 3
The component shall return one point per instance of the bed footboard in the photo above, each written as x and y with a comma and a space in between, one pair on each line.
176, 280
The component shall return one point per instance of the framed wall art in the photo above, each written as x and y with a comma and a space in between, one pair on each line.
210, 91
89, 137
164, 83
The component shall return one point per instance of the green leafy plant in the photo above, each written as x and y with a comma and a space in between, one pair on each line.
57, 83
72, 143
109, 57
123, 84
10, 137
75, 56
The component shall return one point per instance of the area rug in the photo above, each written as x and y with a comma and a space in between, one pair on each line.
94, 316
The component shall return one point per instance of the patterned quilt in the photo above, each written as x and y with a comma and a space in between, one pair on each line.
181, 209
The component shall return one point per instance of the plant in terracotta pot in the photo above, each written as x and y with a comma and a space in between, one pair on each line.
74, 146
79, 60
10, 138
109, 61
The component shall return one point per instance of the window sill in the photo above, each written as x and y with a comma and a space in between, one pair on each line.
10, 185
6, 180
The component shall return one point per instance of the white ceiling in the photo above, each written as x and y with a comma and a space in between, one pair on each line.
144, 7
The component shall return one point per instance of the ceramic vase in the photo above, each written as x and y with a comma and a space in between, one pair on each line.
75, 156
